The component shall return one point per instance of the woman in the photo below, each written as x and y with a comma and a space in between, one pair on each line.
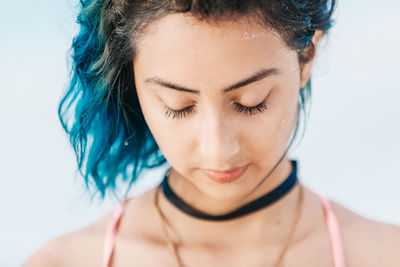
216, 89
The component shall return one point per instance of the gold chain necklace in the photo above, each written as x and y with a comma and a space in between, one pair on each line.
174, 249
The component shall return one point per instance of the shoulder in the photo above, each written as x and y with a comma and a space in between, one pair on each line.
367, 242
82, 247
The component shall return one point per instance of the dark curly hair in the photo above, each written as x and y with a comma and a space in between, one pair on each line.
99, 109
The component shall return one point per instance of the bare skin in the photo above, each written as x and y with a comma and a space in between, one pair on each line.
367, 243
208, 58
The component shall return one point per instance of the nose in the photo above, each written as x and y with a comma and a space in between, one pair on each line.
218, 141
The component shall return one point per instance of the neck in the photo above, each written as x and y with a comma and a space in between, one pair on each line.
277, 217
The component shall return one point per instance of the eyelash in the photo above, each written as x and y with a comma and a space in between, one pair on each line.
248, 111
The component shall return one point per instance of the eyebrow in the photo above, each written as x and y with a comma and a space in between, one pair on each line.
259, 75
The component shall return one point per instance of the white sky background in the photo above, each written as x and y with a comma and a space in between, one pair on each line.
350, 152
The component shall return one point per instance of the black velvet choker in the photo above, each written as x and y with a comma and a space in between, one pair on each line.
259, 203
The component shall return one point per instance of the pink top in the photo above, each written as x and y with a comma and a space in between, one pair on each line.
330, 218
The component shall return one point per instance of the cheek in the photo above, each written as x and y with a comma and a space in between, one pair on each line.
176, 145
260, 141
268, 139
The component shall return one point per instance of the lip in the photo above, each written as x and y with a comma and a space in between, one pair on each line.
225, 176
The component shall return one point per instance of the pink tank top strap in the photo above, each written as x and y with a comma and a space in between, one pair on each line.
334, 232
111, 231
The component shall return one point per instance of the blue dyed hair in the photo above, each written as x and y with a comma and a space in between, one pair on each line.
99, 109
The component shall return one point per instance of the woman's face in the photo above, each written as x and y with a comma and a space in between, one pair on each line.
214, 128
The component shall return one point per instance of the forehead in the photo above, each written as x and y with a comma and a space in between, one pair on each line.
185, 27
180, 47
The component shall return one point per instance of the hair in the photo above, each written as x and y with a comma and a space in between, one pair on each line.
99, 109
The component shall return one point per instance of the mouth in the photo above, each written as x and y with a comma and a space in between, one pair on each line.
225, 176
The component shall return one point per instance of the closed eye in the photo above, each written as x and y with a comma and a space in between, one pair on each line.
177, 114
249, 111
